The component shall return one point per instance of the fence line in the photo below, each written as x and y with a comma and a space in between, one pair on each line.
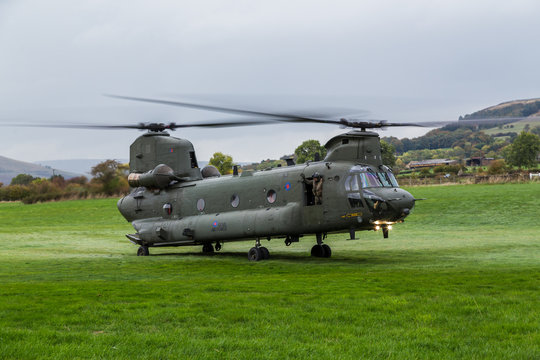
474, 179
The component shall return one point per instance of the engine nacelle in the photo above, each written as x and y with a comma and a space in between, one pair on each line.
159, 178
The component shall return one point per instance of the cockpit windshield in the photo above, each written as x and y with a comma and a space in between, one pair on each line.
367, 177
388, 179
369, 180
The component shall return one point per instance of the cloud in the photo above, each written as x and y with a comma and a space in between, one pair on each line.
415, 60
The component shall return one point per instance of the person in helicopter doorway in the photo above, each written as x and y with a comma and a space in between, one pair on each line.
317, 183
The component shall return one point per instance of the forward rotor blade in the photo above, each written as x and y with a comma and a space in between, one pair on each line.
361, 123
479, 121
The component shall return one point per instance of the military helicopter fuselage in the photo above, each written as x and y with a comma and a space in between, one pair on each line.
174, 203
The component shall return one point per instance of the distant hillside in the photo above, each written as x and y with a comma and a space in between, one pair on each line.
77, 166
9, 168
529, 108
459, 142
515, 108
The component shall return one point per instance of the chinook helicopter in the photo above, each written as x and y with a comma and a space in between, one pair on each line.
173, 202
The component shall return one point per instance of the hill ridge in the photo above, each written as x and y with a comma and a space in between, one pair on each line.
512, 108
9, 168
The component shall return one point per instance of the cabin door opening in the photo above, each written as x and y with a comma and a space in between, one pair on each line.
309, 198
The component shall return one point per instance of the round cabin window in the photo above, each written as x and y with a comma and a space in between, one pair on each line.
235, 201
200, 204
271, 196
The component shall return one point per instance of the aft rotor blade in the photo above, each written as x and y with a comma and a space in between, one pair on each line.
74, 126
275, 116
150, 126
221, 124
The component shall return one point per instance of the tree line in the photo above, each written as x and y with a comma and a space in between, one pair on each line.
109, 178
516, 149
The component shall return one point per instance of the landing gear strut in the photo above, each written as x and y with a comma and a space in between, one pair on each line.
218, 246
143, 251
320, 249
258, 252
385, 232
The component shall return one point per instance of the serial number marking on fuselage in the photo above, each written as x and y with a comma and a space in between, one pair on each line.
219, 226
351, 215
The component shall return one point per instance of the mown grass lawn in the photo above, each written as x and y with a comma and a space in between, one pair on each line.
459, 279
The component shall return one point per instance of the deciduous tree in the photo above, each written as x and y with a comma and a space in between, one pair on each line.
388, 153
222, 162
524, 150
22, 179
109, 175
307, 150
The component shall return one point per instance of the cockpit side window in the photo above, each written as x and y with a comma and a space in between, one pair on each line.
354, 183
351, 183
354, 200
348, 183
353, 186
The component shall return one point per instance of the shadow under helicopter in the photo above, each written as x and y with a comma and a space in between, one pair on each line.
371, 258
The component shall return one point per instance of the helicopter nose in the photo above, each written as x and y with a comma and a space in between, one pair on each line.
403, 202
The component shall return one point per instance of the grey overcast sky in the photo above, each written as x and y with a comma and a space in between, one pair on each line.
414, 60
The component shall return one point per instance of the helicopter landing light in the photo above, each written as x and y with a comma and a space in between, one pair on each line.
382, 222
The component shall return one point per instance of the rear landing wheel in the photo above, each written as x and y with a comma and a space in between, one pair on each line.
265, 253
207, 248
255, 254
143, 251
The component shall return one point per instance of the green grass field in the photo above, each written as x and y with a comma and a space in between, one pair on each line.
519, 126
459, 279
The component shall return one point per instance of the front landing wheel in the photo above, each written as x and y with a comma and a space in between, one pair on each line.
317, 251
143, 251
321, 251
327, 251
